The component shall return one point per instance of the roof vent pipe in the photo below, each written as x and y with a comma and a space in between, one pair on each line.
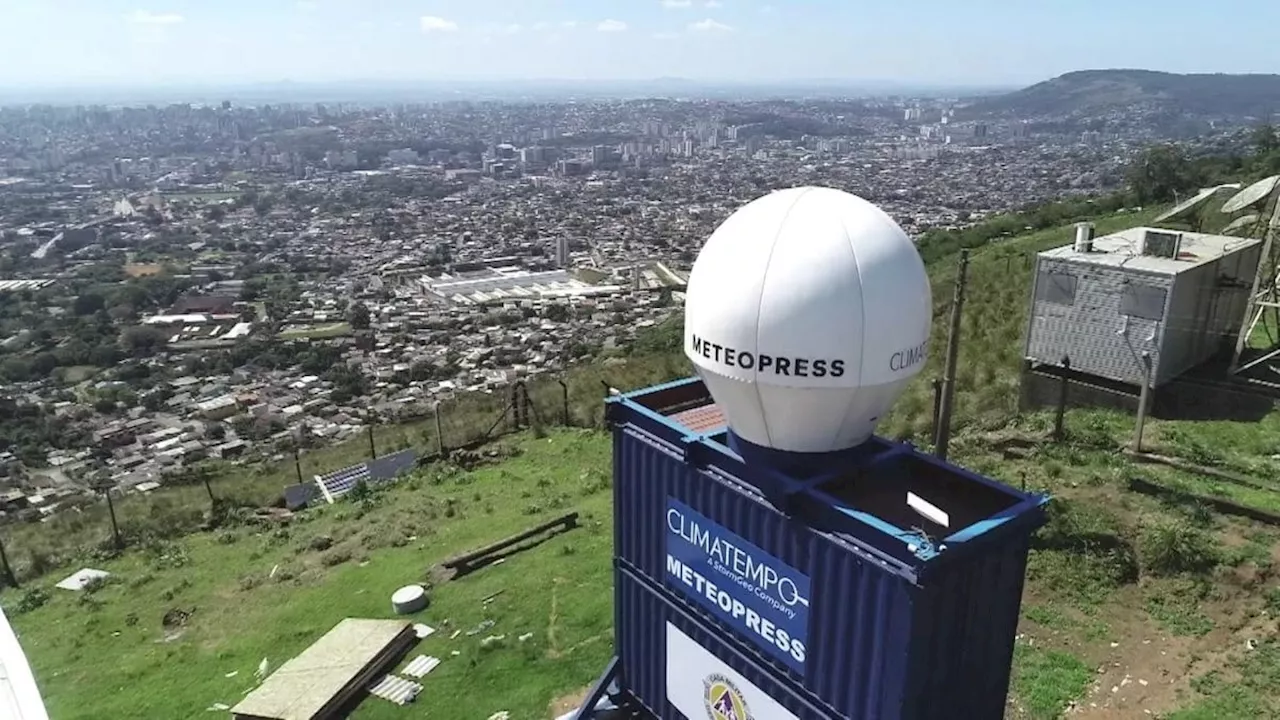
1084, 237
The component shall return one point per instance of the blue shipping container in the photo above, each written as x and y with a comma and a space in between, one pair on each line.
849, 597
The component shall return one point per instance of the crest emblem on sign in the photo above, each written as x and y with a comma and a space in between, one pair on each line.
723, 699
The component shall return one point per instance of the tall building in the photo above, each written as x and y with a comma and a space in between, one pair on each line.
562, 251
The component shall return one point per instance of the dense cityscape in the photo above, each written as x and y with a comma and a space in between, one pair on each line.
187, 282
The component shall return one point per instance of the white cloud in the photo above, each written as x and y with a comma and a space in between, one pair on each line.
540, 25
570, 24
306, 5
710, 26
611, 26
766, 9
146, 17
665, 36
676, 4
713, 4
431, 23
511, 29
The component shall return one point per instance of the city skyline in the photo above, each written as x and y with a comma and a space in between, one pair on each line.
78, 43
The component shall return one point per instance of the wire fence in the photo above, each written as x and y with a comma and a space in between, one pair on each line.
206, 496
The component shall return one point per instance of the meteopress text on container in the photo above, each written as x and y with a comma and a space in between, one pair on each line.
756, 594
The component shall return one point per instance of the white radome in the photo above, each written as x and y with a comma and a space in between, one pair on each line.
807, 312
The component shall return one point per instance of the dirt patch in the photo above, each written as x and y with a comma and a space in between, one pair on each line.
568, 703
1142, 670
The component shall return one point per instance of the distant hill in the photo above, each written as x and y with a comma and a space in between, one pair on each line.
1094, 90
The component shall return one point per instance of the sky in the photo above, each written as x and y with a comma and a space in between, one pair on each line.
965, 42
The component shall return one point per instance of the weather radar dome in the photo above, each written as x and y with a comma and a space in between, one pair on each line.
807, 312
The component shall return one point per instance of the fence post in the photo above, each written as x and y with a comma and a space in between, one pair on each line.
439, 430
105, 489
10, 579
1062, 399
937, 408
513, 401
564, 398
953, 351
208, 487
1144, 398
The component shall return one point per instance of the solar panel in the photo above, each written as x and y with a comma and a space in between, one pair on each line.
388, 467
340, 482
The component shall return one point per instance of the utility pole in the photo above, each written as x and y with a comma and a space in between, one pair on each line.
373, 452
943, 438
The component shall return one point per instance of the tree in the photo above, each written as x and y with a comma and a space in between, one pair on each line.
88, 303
143, 341
263, 206
1158, 174
15, 370
358, 316
1265, 139
43, 364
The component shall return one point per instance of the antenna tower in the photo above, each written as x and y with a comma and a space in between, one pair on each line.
1257, 351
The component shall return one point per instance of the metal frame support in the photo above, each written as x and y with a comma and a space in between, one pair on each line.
1144, 401
1264, 295
598, 691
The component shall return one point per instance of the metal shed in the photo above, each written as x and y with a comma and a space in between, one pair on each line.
1103, 302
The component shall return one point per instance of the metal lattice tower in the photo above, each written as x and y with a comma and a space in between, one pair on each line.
1258, 345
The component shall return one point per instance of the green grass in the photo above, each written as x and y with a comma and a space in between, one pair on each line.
1250, 691
1046, 681
318, 332
1061, 618
85, 651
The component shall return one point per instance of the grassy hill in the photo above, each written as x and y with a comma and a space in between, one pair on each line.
1133, 604
1256, 95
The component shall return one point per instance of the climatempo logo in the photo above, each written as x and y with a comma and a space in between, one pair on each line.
723, 699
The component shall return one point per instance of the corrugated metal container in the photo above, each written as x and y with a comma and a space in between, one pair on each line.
899, 617
1102, 309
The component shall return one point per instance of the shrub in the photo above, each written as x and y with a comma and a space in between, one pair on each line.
1171, 548
32, 599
